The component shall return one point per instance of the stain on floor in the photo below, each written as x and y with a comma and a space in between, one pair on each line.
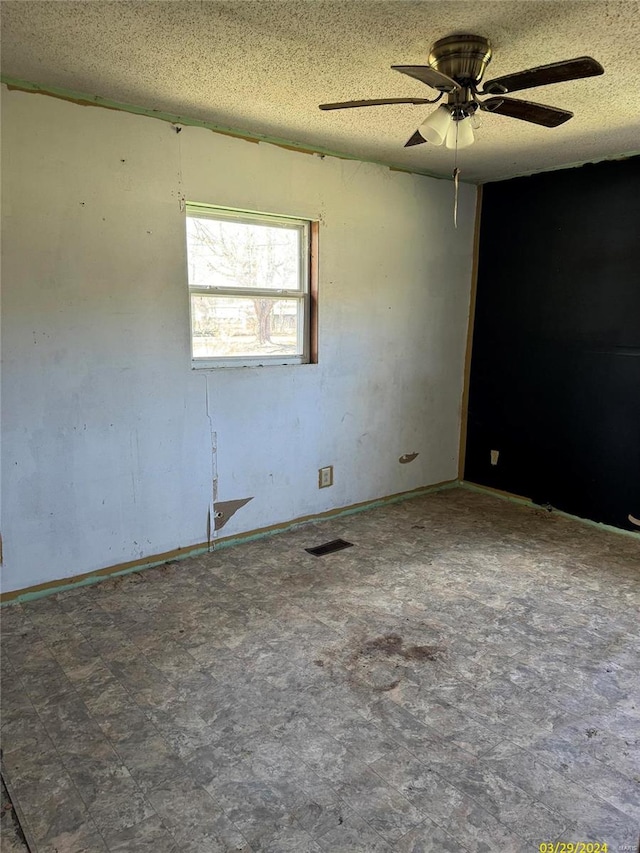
379, 664
392, 644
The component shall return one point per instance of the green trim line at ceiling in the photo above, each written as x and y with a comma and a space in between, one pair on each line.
83, 99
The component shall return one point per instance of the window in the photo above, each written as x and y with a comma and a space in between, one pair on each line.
250, 288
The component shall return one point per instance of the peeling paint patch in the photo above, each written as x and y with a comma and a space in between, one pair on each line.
224, 510
408, 457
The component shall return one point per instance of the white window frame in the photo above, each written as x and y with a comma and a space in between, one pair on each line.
303, 295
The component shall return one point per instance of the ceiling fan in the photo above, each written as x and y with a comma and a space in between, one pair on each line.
456, 67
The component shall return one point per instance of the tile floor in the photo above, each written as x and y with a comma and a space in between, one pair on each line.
11, 837
465, 678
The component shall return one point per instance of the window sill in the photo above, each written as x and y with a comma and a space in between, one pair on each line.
235, 363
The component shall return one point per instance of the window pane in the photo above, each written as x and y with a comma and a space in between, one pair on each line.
230, 326
225, 253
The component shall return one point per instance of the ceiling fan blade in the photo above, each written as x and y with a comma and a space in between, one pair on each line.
347, 105
543, 75
527, 111
416, 139
427, 74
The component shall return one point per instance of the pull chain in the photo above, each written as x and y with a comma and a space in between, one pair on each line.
456, 182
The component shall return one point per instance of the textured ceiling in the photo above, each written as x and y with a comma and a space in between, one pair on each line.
263, 66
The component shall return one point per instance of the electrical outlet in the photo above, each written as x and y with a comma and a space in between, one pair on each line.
325, 477
494, 457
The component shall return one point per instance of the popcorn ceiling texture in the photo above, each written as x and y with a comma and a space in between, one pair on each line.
263, 67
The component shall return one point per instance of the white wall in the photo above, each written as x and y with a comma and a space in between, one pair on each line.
106, 453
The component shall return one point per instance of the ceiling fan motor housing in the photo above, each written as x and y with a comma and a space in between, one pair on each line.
462, 57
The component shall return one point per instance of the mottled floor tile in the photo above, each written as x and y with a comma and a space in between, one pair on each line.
208, 763
318, 818
286, 840
251, 804
428, 838
323, 754
11, 831
383, 807
362, 738
23, 732
464, 678
98, 774
448, 807
512, 806
119, 809
40, 786
194, 817
580, 807
150, 760
353, 835
148, 836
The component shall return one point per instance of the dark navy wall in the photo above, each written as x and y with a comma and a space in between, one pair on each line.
555, 369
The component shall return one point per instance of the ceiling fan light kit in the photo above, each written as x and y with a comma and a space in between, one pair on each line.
460, 134
435, 127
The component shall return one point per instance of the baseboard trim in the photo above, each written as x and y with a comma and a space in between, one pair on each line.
518, 499
89, 578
